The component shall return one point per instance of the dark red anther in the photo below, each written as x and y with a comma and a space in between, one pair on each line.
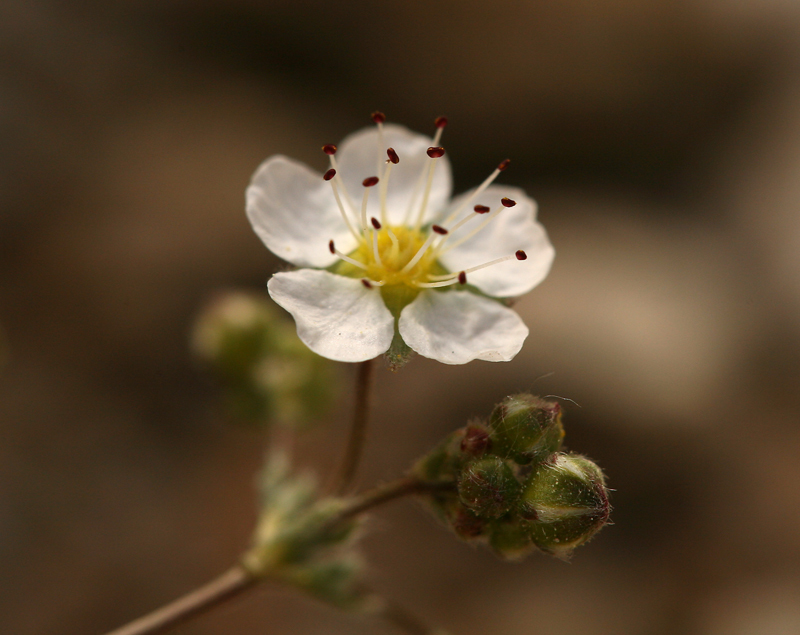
329, 174
521, 255
434, 152
440, 122
481, 209
507, 202
503, 164
375, 223
439, 230
392, 156
370, 181
329, 149
332, 247
462, 277
378, 116
366, 283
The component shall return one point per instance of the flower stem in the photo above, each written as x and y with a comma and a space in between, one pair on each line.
358, 431
227, 586
403, 619
237, 580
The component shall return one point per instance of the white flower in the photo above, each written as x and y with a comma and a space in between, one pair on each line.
382, 250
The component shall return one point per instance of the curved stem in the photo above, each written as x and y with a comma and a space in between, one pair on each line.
358, 431
230, 584
237, 580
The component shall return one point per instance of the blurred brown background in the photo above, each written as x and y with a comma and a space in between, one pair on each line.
662, 141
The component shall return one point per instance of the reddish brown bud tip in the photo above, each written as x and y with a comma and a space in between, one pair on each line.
476, 440
435, 152
329, 149
392, 156
481, 209
503, 164
439, 230
332, 247
521, 255
370, 181
329, 174
507, 202
375, 223
440, 122
378, 116
462, 277
366, 283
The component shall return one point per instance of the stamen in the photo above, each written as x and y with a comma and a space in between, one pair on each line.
330, 150
440, 230
376, 252
434, 152
329, 177
438, 249
420, 252
462, 277
521, 255
505, 202
378, 117
503, 165
440, 123
395, 243
371, 283
393, 160
478, 267
345, 257
433, 285
482, 209
367, 183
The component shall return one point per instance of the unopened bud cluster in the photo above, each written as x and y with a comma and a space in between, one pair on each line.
266, 372
513, 487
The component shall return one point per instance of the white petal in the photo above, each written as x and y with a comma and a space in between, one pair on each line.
361, 156
337, 317
514, 228
455, 327
294, 212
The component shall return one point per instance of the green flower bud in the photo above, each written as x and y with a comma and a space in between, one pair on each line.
488, 487
476, 441
267, 373
526, 428
566, 502
510, 539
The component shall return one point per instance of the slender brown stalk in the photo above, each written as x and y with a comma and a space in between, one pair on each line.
237, 580
229, 585
403, 619
358, 431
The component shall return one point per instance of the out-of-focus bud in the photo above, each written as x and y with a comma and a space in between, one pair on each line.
566, 503
488, 487
297, 542
526, 428
267, 373
510, 539
476, 441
